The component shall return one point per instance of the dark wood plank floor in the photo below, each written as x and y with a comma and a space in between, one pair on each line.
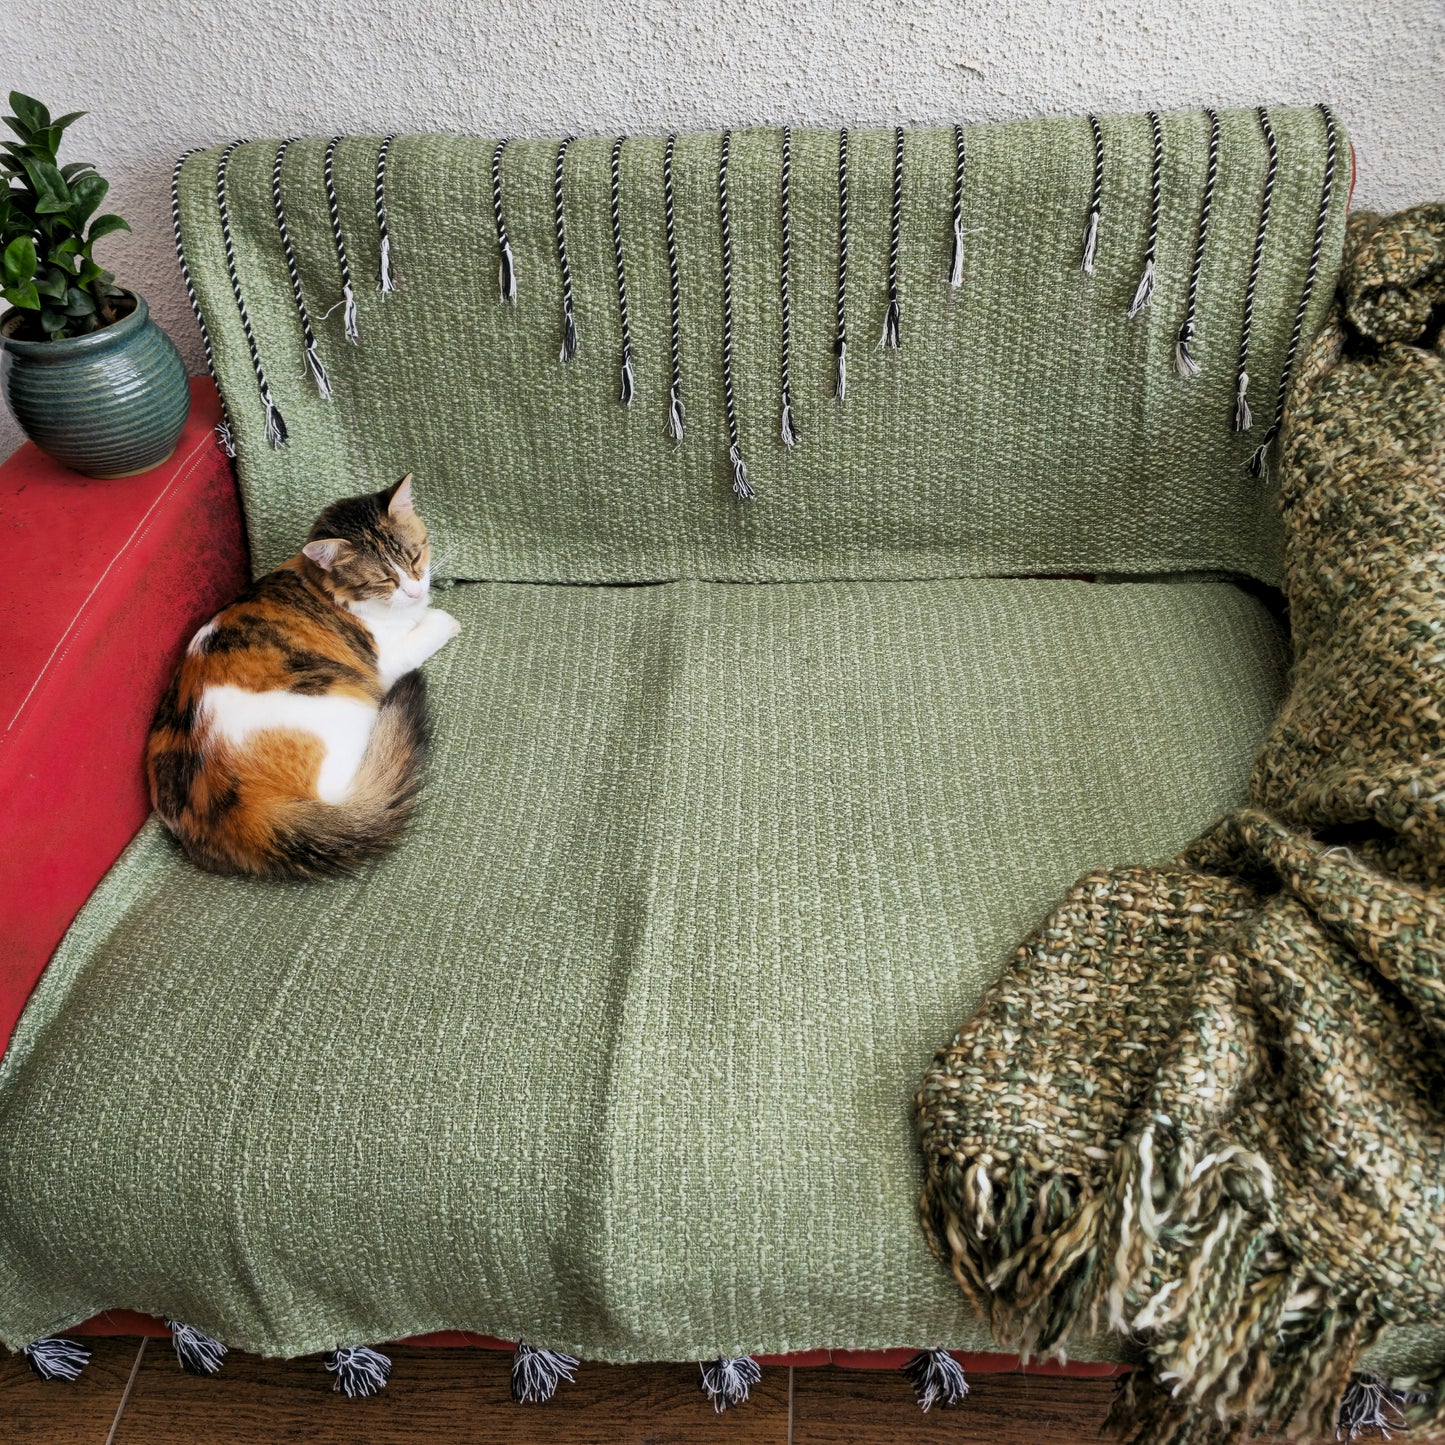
133, 1393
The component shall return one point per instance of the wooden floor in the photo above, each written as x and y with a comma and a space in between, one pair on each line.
133, 1393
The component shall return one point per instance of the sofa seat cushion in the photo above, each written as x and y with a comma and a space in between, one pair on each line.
615, 1054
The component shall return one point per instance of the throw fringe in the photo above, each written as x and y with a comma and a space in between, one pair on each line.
726, 1381
937, 1379
56, 1358
955, 269
385, 277
359, 1370
893, 314
1173, 1251
742, 488
1184, 362
840, 337
506, 267
197, 1353
1370, 1406
675, 410
338, 236
536, 1373
1090, 254
1145, 289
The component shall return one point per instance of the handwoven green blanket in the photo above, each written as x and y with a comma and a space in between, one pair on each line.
1206, 1105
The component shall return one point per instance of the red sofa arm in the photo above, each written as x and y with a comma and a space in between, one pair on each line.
102, 583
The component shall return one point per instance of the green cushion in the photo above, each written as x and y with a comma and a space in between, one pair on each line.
1026, 426
616, 1052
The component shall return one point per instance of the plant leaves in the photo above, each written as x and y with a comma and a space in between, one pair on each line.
75, 168
79, 303
103, 226
49, 185
17, 262
86, 194
53, 321
69, 118
30, 112
18, 126
52, 282
25, 296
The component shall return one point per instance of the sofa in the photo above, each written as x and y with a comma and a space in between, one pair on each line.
854, 538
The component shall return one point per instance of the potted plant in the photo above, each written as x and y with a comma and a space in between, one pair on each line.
89, 376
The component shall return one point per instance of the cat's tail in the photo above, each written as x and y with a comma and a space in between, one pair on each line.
315, 838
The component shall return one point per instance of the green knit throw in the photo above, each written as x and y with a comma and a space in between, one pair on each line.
1205, 1106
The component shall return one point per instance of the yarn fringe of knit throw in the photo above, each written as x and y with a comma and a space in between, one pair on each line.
727, 1380
1204, 1107
197, 1353
358, 1370
937, 1379
56, 1358
537, 1373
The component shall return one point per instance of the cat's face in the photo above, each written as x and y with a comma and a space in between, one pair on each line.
372, 552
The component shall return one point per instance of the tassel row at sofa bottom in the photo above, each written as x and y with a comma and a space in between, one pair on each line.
1370, 1405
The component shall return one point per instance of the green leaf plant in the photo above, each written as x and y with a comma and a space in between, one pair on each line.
48, 225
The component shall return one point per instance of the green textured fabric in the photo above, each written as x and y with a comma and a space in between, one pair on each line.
1027, 426
616, 1052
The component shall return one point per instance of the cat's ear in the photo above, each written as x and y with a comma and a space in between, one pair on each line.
399, 500
326, 552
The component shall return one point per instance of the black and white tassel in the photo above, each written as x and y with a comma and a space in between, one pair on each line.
1286, 376
955, 270
275, 423
385, 276
937, 1379
348, 293
892, 316
726, 1381
56, 1358
506, 266
1370, 1406
787, 430
537, 1373
675, 412
1184, 362
358, 1370
628, 385
1243, 420
1090, 254
225, 433
569, 321
197, 1353
303, 314
742, 488
1145, 289
840, 341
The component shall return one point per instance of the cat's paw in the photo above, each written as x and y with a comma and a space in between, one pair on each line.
447, 626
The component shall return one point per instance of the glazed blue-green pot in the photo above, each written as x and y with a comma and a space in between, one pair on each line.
109, 404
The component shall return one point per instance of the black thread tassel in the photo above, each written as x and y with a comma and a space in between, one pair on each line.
1243, 418
196, 1353
955, 270
628, 385
506, 266
840, 342
385, 277
1090, 255
225, 433
308, 335
1145, 288
727, 1380
1184, 362
275, 423
893, 315
937, 1379
569, 321
786, 428
536, 1373
1370, 1406
358, 1370
1258, 460
348, 292
742, 488
676, 415
56, 1358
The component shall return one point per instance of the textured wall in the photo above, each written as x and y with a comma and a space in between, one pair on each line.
162, 75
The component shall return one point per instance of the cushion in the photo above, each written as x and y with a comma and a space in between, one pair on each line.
1026, 425
616, 1053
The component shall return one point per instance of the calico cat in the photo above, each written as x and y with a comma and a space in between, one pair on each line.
291, 740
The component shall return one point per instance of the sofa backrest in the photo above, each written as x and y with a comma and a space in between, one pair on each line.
1026, 423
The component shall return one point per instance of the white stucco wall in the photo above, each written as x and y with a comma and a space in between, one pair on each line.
161, 75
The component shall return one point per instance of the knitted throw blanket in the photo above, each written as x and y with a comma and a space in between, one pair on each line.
1205, 1105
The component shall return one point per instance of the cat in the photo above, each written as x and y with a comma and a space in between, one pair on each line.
292, 739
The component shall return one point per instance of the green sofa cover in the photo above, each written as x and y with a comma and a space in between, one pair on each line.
736, 807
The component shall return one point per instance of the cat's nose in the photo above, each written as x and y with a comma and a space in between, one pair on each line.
411, 587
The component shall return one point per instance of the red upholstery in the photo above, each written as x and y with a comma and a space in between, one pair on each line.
101, 585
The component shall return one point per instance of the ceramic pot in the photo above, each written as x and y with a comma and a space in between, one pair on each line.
109, 404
